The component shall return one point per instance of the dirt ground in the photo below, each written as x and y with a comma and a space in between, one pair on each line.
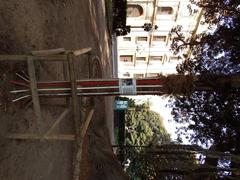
28, 25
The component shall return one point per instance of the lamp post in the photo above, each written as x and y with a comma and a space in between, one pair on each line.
146, 27
125, 30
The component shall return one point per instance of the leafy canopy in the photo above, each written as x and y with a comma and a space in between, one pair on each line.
143, 126
211, 116
215, 50
144, 129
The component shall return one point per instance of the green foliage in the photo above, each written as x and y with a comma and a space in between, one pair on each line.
211, 116
216, 50
217, 10
144, 129
143, 126
165, 162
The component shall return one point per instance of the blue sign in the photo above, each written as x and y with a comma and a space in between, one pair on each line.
121, 105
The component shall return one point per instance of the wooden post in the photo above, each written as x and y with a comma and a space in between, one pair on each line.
76, 116
35, 97
48, 52
82, 51
75, 102
84, 127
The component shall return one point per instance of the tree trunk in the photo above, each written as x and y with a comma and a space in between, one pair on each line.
187, 84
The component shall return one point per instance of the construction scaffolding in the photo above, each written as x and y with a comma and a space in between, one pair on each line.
67, 57
28, 88
96, 87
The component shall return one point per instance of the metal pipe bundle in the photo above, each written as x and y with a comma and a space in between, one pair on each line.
94, 87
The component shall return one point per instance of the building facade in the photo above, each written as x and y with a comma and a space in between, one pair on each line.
147, 54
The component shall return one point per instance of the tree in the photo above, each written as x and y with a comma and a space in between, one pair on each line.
217, 49
214, 52
217, 10
177, 162
211, 117
144, 129
140, 131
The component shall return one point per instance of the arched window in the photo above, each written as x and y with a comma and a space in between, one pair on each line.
134, 10
165, 10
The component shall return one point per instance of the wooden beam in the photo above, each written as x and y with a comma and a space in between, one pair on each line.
59, 57
48, 52
86, 123
32, 136
81, 51
34, 91
60, 118
76, 114
13, 57
62, 57
75, 102
66, 137
84, 127
76, 117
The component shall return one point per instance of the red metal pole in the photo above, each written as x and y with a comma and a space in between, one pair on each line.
96, 87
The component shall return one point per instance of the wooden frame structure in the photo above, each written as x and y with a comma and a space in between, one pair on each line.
80, 126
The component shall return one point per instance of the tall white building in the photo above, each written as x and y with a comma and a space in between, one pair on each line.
147, 54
